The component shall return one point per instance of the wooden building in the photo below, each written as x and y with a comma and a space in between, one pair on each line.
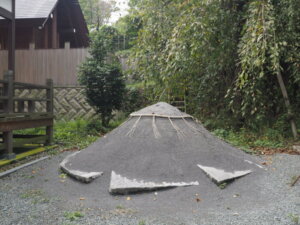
47, 24
51, 41
37, 39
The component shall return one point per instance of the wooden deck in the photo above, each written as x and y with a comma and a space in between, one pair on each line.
17, 113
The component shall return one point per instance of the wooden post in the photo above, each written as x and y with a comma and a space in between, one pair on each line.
9, 92
46, 34
11, 39
31, 106
21, 106
8, 145
54, 29
8, 108
49, 108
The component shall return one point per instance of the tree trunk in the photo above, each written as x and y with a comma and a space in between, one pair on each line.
287, 104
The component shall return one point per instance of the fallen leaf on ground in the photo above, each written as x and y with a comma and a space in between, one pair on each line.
272, 151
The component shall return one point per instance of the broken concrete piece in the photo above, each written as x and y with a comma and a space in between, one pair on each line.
86, 177
220, 176
123, 185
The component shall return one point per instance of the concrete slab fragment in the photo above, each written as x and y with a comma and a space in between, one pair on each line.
83, 176
220, 176
123, 185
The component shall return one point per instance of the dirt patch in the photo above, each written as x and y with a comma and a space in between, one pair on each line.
272, 151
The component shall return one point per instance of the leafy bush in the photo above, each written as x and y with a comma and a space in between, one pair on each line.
245, 139
102, 76
105, 88
134, 99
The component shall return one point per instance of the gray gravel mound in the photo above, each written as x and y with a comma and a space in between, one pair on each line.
43, 197
159, 149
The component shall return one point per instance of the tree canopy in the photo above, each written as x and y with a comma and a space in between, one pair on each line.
225, 57
97, 12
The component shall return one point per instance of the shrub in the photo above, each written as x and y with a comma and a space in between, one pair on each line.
105, 88
102, 76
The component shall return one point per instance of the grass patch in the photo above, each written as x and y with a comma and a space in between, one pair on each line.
81, 133
295, 218
120, 207
32, 193
72, 216
223, 185
37, 196
142, 222
247, 140
76, 134
63, 176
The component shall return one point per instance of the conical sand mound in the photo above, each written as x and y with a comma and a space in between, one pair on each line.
159, 147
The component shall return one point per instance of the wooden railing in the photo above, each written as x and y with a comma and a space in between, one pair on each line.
18, 113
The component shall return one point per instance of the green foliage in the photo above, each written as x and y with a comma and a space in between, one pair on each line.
104, 88
101, 75
97, 12
142, 222
129, 26
72, 216
223, 56
74, 134
81, 133
223, 185
102, 46
134, 99
78, 133
244, 139
259, 61
295, 218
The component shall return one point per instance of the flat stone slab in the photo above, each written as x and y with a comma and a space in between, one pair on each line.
123, 185
219, 176
83, 176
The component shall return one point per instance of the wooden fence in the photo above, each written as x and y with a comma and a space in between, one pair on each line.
18, 113
36, 65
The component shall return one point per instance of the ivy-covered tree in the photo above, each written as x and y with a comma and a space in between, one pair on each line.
101, 75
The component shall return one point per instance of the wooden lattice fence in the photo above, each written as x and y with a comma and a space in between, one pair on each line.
69, 103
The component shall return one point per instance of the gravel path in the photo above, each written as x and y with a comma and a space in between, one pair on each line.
40, 194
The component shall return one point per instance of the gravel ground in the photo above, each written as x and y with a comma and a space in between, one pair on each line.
39, 194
